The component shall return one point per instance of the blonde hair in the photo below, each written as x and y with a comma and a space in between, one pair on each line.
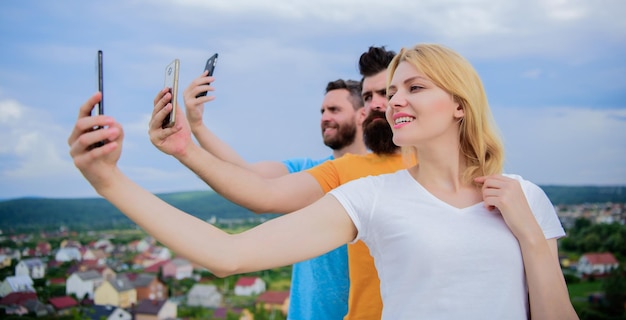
479, 142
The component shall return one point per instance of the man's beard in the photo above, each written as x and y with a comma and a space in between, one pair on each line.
344, 137
377, 134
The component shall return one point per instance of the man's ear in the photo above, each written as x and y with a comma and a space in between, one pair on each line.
360, 116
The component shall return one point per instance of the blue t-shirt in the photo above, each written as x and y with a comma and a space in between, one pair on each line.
319, 286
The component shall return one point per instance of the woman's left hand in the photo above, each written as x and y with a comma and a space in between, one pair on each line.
507, 195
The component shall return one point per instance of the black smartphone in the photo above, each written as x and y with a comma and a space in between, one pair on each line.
99, 109
100, 106
210, 66
171, 82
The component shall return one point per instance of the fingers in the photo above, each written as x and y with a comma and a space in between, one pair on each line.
501, 192
194, 84
161, 100
160, 95
156, 121
85, 109
200, 84
158, 134
491, 178
86, 122
162, 107
81, 150
491, 186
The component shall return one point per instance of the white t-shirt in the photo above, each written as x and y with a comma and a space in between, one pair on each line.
436, 261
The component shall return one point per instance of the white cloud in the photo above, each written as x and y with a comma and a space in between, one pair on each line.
564, 9
484, 28
31, 142
10, 111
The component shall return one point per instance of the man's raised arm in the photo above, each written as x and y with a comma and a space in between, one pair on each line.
242, 186
194, 109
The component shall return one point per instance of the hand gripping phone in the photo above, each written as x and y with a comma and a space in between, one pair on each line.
210, 66
171, 82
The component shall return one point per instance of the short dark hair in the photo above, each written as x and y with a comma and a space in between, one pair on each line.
353, 87
375, 60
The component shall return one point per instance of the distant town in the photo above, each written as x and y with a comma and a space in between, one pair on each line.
126, 274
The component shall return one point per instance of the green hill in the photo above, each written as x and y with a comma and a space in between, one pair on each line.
96, 213
585, 194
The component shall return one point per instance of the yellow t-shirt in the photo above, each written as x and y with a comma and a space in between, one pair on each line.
364, 300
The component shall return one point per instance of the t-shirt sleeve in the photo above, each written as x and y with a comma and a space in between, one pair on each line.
543, 209
326, 175
358, 198
300, 164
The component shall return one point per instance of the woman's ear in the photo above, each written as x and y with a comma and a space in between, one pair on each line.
459, 112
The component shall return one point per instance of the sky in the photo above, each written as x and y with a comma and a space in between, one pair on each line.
554, 72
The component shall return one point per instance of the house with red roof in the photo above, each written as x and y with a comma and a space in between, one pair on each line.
43, 249
17, 299
148, 286
247, 286
596, 264
22, 283
28, 252
15, 303
155, 267
56, 281
63, 305
178, 268
274, 301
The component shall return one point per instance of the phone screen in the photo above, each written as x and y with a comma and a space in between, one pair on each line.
171, 82
210, 66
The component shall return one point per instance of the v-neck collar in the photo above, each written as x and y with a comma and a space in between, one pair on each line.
436, 199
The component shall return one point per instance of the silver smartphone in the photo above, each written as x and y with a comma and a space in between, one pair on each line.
171, 82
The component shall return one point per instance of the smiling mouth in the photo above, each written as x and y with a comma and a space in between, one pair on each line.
402, 120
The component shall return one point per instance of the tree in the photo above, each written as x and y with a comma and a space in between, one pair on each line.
615, 292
